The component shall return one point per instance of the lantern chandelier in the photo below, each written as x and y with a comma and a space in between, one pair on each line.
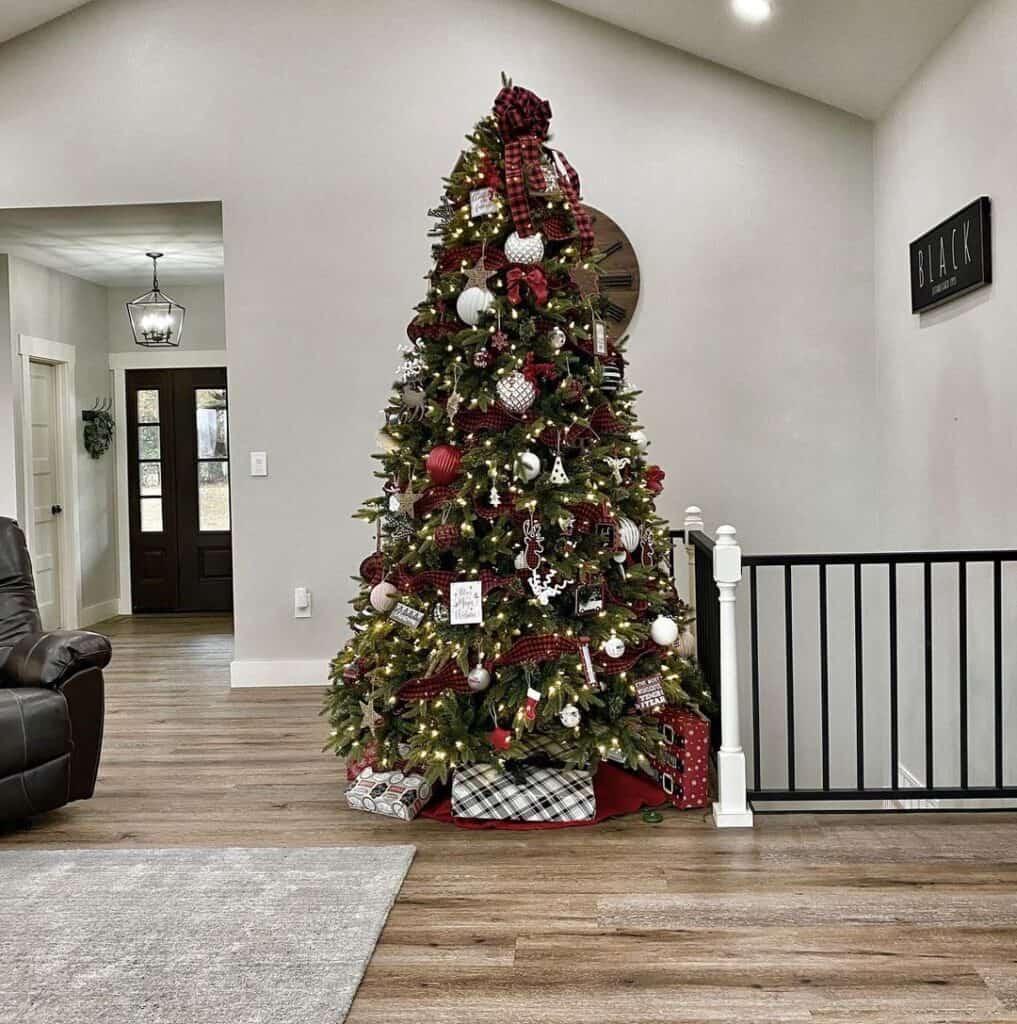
156, 320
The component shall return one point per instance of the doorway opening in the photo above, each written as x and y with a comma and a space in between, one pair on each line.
66, 274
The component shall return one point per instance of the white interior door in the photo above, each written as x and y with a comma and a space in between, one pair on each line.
46, 497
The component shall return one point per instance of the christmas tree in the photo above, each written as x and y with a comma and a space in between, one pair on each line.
519, 604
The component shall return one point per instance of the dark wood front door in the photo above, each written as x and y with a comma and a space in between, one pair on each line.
179, 489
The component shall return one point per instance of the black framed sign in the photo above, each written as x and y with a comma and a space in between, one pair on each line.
954, 258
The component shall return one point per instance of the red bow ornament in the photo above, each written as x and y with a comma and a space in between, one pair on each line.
523, 121
654, 479
534, 371
533, 279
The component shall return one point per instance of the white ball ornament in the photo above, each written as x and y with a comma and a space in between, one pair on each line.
479, 679
471, 303
664, 631
613, 647
524, 250
527, 466
558, 339
639, 438
515, 392
620, 556
570, 716
628, 533
384, 596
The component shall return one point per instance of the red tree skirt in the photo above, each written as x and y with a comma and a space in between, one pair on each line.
617, 792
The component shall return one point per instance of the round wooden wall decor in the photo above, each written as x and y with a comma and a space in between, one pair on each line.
620, 283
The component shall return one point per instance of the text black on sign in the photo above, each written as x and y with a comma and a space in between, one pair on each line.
953, 258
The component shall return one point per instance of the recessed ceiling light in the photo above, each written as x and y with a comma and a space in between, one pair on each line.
754, 11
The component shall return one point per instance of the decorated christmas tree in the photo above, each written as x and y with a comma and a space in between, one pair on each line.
519, 603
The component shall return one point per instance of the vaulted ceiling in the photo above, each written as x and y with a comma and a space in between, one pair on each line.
852, 54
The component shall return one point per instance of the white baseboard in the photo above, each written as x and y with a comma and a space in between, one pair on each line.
279, 673
93, 613
909, 780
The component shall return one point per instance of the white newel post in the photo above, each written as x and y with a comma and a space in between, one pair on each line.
731, 809
693, 521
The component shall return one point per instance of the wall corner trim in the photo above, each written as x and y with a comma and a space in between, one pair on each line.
311, 672
93, 613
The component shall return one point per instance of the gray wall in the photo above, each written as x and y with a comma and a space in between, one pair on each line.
204, 323
326, 130
47, 304
947, 414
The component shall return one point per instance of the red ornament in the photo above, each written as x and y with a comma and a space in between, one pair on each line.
501, 739
447, 536
443, 463
499, 341
483, 358
654, 479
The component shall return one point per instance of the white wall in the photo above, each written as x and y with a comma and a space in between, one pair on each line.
204, 322
948, 418
45, 303
8, 443
325, 129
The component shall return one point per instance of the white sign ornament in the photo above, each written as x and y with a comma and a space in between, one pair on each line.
482, 202
406, 616
466, 603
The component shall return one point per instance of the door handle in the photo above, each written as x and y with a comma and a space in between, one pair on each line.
56, 509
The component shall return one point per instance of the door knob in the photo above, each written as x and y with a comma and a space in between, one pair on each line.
56, 509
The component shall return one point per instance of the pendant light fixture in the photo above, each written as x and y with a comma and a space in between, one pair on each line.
156, 320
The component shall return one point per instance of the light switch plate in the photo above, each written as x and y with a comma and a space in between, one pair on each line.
301, 603
259, 464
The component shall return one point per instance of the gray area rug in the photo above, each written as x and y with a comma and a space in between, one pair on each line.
253, 936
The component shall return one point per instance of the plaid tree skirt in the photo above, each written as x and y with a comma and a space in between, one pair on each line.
617, 792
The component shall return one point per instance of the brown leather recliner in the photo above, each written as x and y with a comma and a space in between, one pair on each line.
51, 696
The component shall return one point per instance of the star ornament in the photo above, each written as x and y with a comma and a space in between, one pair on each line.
407, 499
586, 280
478, 276
370, 719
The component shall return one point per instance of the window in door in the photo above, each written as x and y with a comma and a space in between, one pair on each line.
178, 447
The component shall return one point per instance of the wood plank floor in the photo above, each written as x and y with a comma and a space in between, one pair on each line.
910, 918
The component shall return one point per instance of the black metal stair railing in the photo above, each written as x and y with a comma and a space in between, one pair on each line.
851, 629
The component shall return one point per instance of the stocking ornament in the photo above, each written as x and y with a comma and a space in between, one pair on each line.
530, 706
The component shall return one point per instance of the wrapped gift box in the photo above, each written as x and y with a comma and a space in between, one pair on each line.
682, 763
390, 793
523, 793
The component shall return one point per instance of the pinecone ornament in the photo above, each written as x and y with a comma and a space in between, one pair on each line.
447, 536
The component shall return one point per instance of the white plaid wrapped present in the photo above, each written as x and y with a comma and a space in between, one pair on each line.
523, 793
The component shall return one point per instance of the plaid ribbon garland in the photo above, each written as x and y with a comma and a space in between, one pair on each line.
523, 121
428, 687
570, 186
